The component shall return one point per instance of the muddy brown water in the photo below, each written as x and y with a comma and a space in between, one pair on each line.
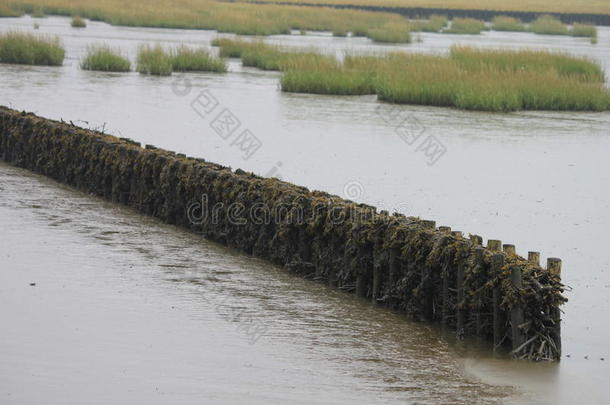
128, 309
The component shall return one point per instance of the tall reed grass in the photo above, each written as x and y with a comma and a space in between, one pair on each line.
30, 49
548, 6
7, 11
236, 17
106, 59
185, 59
391, 33
548, 25
325, 76
78, 22
38, 12
490, 89
570, 67
504, 23
466, 26
154, 60
434, 24
584, 30
471, 79
268, 57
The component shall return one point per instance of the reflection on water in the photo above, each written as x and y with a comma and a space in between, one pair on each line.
540, 180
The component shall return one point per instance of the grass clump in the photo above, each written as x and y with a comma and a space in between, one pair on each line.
105, 59
38, 12
154, 60
6, 11
449, 84
466, 26
584, 30
470, 79
398, 33
237, 17
229, 48
548, 25
569, 67
266, 57
186, 59
78, 22
434, 24
504, 23
30, 49
325, 76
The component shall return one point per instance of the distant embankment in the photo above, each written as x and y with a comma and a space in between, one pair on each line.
486, 15
401, 262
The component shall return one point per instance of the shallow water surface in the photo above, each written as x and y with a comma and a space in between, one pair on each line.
127, 309
539, 180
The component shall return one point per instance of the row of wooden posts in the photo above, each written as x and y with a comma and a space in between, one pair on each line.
497, 263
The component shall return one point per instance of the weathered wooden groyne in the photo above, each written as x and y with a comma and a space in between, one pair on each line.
404, 263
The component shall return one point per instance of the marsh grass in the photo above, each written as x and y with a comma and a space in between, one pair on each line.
235, 17
434, 24
78, 22
154, 60
448, 84
391, 33
104, 58
584, 30
504, 23
38, 12
30, 49
466, 26
470, 79
267, 57
558, 6
548, 25
185, 59
570, 67
6, 11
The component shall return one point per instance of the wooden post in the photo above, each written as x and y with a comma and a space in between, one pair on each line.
332, 278
533, 258
361, 286
497, 262
376, 283
516, 312
460, 312
476, 240
479, 262
494, 245
444, 229
393, 269
445, 292
510, 250
553, 265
